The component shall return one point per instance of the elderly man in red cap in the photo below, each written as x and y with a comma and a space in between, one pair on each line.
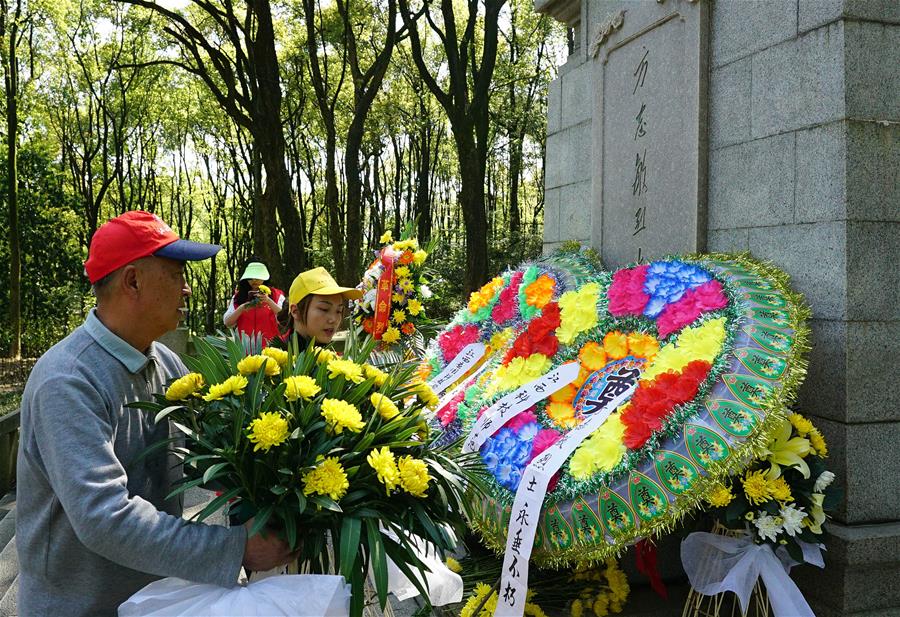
93, 525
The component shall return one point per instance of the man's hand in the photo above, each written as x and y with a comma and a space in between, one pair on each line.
265, 550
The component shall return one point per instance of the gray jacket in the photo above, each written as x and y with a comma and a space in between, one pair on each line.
93, 526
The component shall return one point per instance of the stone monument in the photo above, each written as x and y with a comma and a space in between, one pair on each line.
768, 126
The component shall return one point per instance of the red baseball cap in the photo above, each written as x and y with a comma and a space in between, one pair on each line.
137, 234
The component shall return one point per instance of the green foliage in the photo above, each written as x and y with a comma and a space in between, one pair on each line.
53, 286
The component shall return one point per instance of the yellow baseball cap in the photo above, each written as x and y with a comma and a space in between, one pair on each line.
318, 281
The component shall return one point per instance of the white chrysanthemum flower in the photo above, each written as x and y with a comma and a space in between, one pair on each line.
425, 291
768, 526
823, 481
792, 520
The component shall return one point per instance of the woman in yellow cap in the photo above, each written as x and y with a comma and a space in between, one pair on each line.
254, 308
315, 307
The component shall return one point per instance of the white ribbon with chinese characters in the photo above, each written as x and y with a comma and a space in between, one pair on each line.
516, 402
715, 563
529, 500
464, 360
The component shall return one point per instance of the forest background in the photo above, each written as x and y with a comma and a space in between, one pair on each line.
294, 130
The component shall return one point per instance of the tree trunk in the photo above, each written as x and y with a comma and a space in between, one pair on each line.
471, 198
15, 249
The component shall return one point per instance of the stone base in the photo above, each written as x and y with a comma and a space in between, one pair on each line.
861, 576
176, 340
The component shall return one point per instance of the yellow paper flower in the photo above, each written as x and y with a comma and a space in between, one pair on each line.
578, 312
414, 307
377, 374
419, 257
780, 490
264, 289
756, 488
384, 406
402, 272
268, 430
233, 385
386, 237
398, 317
251, 365
592, 356
720, 496
184, 387
616, 345
301, 386
279, 355
703, 342
391, 335
817, 441
562, 414
479, 299
787, 451
520, 371
642, 345
341, 415
385, 467
349, 369
328, 478
414, 476
602, 451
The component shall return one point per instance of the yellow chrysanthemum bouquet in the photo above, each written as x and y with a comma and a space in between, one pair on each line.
320, 448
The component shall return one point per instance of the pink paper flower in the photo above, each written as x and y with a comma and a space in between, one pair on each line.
508, 303
521, 419
707, 297
545, 438
447, 413
626, 294
452, 341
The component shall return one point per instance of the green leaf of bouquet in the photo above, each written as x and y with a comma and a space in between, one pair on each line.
357, 593
145, 405
200, 457
235, 352
794, 550
349, 546
159, 445
165, 412
213, 472
427, 523
301, 501
210, 355
402, 558
218, 503
286, 471
378, 558
290, 529
325, 502
260, 519
278, 489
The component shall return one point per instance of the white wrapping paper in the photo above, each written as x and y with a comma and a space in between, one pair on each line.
300, 594
715, 563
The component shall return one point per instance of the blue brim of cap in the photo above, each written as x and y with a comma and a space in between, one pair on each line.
185, 250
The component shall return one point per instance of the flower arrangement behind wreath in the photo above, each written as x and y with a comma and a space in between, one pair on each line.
774, 511
315, 445
394, 286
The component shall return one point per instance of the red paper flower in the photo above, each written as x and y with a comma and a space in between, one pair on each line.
626, 294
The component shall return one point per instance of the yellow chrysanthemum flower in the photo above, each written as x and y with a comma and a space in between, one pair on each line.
419, 257
720, 496
265, 289
578, 312
323, 355
414, 476
386, 237
233, 385
482, 591
328, 478
801, 423
427, 395
184, 387
817, 441
382, 461
398, 317
414, 307
402, 272
269, 429
251, 364
301, 386
756, 487
341, 415
279, 355
391, 335
384, 406
398, 298
453, 565
375, 373
780, 490
348, 368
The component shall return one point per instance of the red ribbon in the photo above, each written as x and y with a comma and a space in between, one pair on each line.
646, 557
383, 295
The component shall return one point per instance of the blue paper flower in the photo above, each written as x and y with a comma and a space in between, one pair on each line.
667, 281
507, 453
